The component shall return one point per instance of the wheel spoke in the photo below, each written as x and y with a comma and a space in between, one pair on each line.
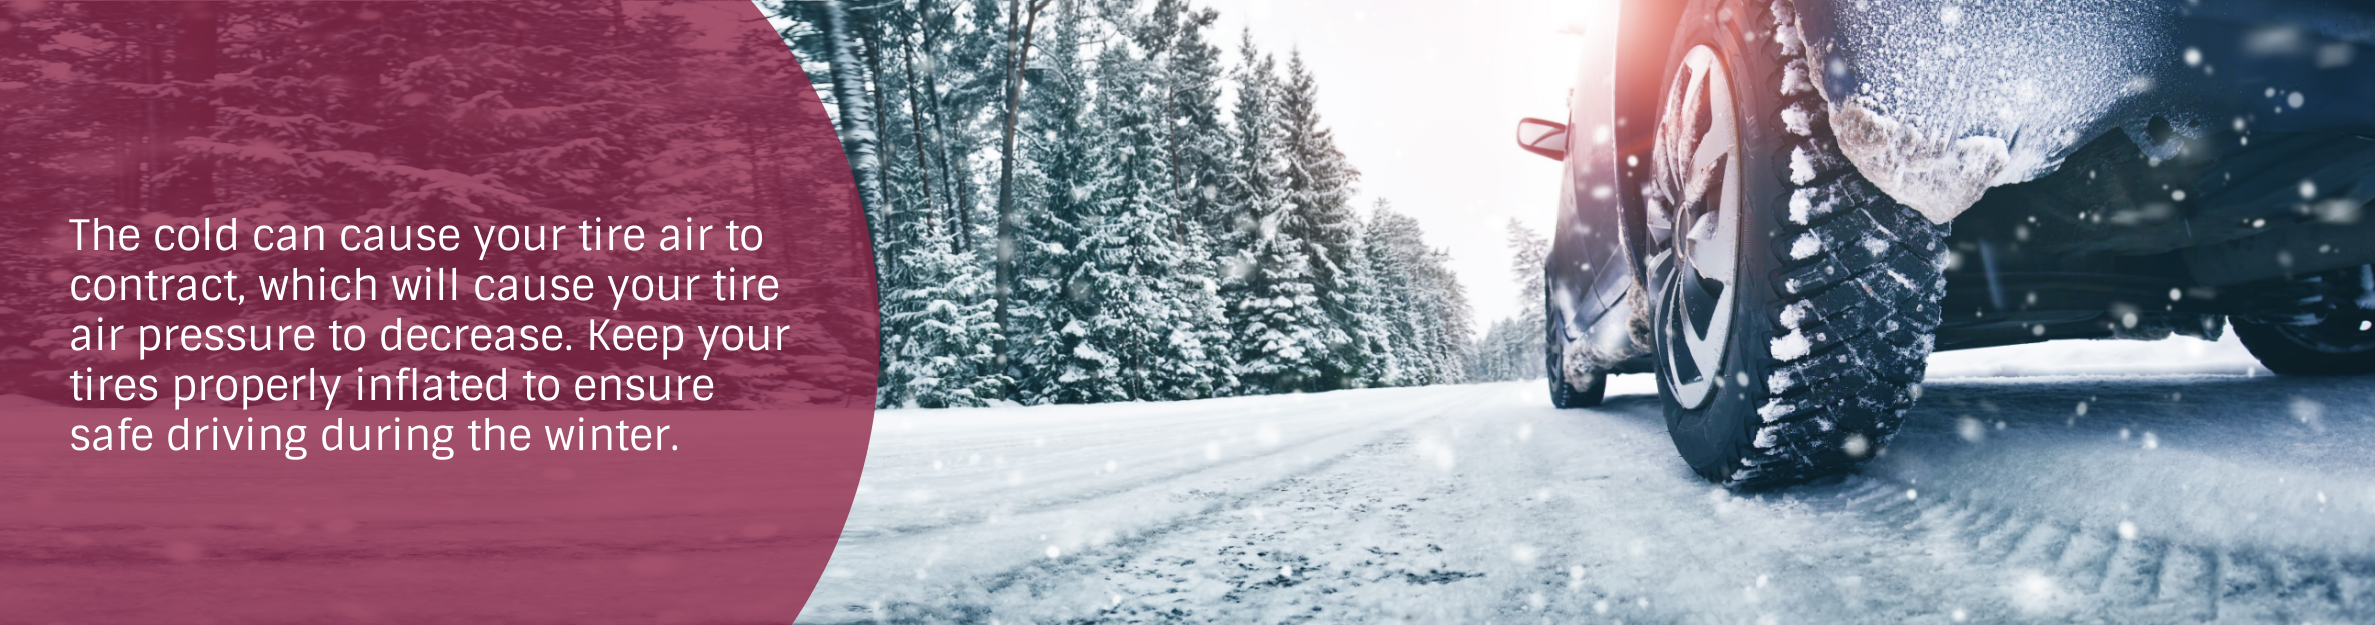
1684, 366
1697, 262
1694, 191
1714, 147
1700, 295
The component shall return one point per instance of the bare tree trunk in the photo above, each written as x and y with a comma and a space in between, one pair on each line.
140, 153
915, 117
1018, 50
959, 201
859, 137
872, 49
194, 53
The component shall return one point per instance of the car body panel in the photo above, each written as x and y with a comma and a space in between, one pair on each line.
1588, 270
1938, 114
1936, 101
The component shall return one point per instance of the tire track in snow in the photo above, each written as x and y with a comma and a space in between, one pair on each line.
974, 600
1600, 516
1094, 494
974, 603
1128, 547
1396, 530
1327, 545
2130, 577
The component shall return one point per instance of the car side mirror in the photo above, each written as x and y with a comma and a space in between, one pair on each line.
1547, 138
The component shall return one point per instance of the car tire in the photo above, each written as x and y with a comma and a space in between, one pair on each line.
1794, 303
2342, 344
1554, 367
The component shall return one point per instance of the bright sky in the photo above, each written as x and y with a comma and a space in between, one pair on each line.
1424, 97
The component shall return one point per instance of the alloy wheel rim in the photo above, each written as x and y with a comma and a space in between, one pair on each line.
1697, 200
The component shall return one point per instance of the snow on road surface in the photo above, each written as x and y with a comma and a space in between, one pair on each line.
2046, 483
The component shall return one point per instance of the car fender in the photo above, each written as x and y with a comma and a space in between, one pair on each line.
1611, 113
1935, 101
2050, 77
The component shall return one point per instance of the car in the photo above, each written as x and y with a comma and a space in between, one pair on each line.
1783, 207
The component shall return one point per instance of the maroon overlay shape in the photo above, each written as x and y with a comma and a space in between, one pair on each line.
227, 113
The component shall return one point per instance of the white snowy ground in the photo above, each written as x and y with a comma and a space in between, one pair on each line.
2191, 486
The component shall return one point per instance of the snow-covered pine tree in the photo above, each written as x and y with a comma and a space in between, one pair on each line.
1364, 299
1317, 191
937, 305
1423, 307
1512, 348
1195, 141
1450, 327
1135, 198
1504, 354
1164, 313
924, 216
1196, 148
1060, 352
1527, 252
940, 335
1282, 332
1393, 247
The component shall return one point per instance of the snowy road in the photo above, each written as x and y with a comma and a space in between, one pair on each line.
2190, 487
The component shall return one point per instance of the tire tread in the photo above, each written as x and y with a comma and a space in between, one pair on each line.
1869, 312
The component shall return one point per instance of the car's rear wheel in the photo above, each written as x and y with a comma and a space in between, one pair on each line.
2342, 342
1794, 303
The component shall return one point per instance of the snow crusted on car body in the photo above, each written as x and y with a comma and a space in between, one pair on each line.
1935, 101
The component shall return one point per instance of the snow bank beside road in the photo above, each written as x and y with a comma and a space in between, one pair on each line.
2175, 355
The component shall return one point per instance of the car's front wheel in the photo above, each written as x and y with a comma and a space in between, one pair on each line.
1794, 303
